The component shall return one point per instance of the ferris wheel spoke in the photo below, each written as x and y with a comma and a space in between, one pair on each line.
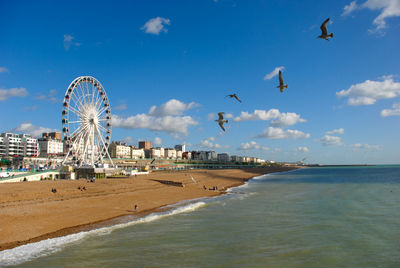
76, 98
83, 93
79, 121
101, 111
102, 128
77, 112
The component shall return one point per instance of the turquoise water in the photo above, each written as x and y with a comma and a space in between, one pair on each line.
314, 217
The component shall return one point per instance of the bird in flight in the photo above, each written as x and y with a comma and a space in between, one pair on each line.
282, 85
324, 31
233, 96
221, 120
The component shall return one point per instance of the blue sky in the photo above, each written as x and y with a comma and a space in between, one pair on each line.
184, 57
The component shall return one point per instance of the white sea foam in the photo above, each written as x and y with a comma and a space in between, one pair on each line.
42, 248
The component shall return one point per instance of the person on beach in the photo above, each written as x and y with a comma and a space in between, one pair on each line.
136, 208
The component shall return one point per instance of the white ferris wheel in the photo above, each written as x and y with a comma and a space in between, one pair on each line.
86, 122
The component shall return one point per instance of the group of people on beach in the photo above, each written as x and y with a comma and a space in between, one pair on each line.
53, 190
82, 188
214, 188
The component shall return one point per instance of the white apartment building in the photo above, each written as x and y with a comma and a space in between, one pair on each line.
119, 150
50, 147
155, 153
170, 153
137, 153
18, 145
179, 154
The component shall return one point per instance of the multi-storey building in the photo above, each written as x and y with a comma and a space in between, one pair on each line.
224, 157
18, 145
50, 144
179, 154
180, 147
137, 153
235, 158
170, 153
155, 153
145, 145
119, 150
187, 155
52, 135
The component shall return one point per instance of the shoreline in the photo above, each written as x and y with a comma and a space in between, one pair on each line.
144, 186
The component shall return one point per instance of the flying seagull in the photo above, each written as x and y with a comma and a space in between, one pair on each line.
221, 120
233, 96
324, 31
282, 85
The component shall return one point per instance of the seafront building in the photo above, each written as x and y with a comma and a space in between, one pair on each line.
145, 145
224, 157
18, 145
25, 151
50, 144
118, 149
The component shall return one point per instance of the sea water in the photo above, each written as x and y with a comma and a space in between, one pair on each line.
312, 217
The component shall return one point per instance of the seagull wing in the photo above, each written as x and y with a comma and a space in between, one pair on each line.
221, 124
324, 28
221, 115
280, 78
236, 97
230, 96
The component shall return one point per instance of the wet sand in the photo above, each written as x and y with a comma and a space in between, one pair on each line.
30, 211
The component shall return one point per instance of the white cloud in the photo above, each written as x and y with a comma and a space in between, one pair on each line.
359, 146
281, 119
155, 25
171, 107
258, 115
157, 141
273, 73
279, 133
69, 41
287, 119
51, 96
349, 8
252, 145
121, 107
249, 146
12, 92
391, 112
335, 131
208, 143
168, 124
329, 140
369, 92
29, 128
387, 8
303, 149
164, 118
3, 70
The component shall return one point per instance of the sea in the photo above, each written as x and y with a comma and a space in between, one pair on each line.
311, 217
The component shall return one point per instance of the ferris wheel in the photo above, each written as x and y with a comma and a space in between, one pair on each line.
86, 122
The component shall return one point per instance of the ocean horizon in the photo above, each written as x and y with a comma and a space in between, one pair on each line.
312, 217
